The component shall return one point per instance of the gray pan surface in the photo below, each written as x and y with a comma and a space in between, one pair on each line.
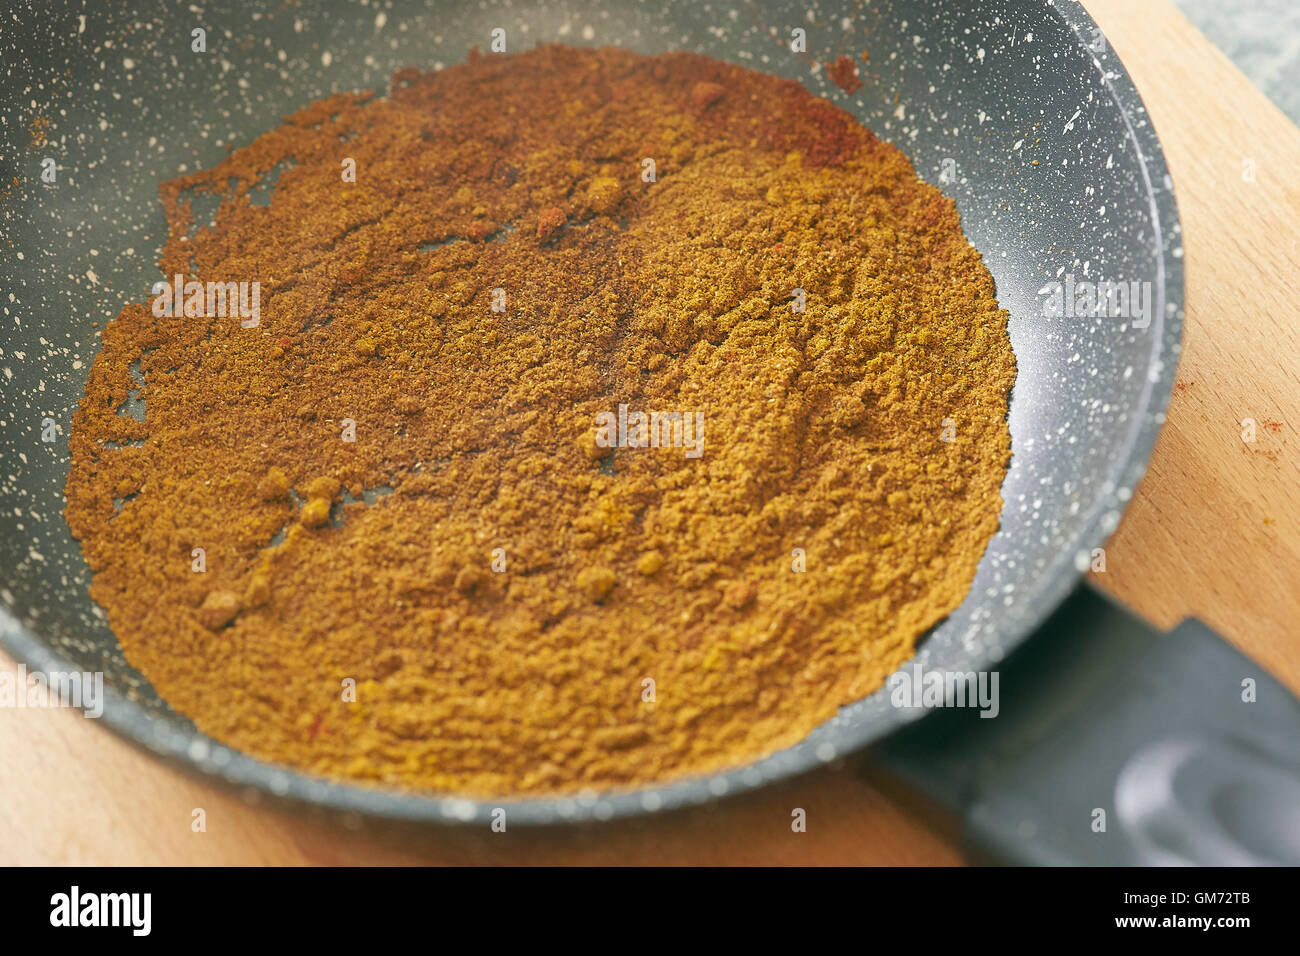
981, 89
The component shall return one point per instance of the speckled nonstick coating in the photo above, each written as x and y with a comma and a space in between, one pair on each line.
992, 85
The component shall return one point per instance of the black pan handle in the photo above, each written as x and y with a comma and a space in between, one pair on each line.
1114, 744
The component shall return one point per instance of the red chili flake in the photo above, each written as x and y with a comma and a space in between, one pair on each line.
704, 95
845, 74
548, 222
314, 731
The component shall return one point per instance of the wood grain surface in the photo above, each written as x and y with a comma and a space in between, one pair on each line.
1214, 531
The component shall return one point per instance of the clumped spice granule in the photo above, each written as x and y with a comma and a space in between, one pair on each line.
499, 584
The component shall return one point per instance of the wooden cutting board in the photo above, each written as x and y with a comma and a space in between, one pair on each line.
1214, 532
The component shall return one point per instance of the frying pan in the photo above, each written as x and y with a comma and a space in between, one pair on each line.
974, 93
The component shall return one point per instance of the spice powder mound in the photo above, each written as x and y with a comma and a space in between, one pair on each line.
382, 535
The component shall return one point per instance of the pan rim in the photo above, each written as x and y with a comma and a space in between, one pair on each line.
214, 762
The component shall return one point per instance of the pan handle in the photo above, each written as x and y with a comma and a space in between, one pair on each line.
1114, 744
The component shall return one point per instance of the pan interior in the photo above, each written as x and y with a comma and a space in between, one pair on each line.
1015, 108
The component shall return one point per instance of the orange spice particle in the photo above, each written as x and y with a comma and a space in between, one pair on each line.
844, 73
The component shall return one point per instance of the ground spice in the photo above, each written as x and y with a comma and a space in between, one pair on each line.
521, 609
844, 73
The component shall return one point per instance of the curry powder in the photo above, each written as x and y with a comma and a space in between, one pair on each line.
520, 608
